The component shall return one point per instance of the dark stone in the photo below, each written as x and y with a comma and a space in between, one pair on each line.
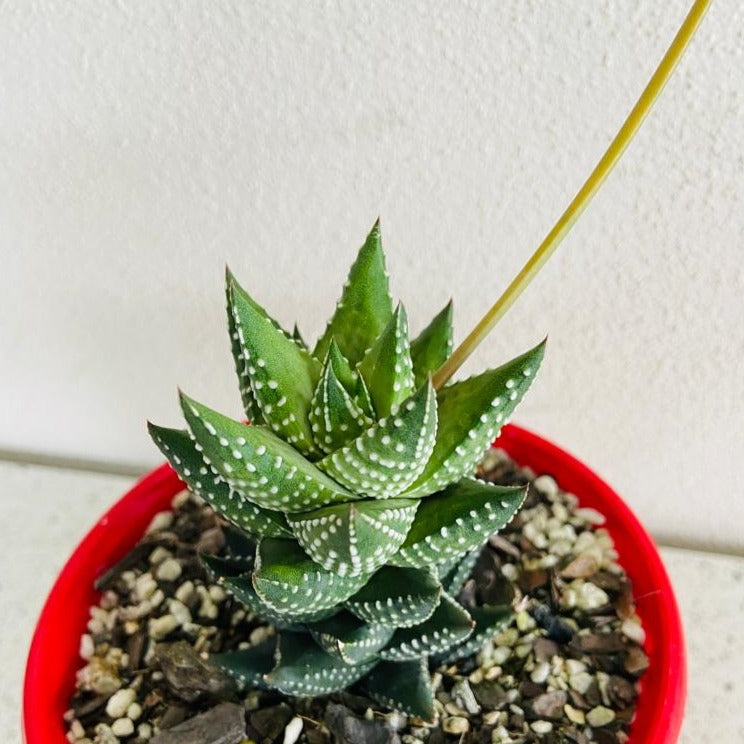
490, 695
501, 544
529, 689
581, 567
552, 624
189, 676
271, 722
135, 646
84, 708
599, 643
211, 541
172, 716
621, 691
223, 724
549, 704
636, 661
545, 649
350, 729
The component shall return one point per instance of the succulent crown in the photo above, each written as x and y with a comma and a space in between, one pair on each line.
358, 517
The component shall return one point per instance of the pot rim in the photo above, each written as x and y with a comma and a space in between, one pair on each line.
53, 656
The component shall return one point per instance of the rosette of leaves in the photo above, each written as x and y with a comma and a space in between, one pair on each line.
353, 492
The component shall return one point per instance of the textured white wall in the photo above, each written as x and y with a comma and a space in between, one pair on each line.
143, 145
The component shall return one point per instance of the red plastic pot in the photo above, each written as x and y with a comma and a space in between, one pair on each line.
53, 658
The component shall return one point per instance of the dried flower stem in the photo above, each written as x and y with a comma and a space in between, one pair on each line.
583, 197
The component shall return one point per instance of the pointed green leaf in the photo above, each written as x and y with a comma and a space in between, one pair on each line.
239, 584
362, 398
355, 538
335, 418
449, 624
387, 367
350, 638
259, 465
389, 455
206, 483
341, 368
249, 666
286, 579
455, 578
365, 306
405, 687
488, 621
397, 597
282, 374
304, 669
252, 411
471, 413
456, 521
431, 348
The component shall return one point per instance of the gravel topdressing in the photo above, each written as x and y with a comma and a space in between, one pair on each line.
565, 670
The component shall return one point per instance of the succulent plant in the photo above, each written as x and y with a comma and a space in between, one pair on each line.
352, 491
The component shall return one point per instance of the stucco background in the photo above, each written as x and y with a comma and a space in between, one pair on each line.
144, 145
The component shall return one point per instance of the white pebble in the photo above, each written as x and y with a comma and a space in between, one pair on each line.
159, 555
546, 484
580, 682
541, 727
600, 716
104, 735
87, 647
122, 727
144, 587
632, 629
456, 725
574, 714
185, 591
77, 730
589, 515
144, 731
159, 627
134, 711
118, 703
293, 730
590, 596
169, 570
179, 611
540, 673
161, 521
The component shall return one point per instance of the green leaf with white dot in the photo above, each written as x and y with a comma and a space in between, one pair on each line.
397, 597
290, 582
239, 583
335, 418
304, 668
349, 638
389, 455
449, 624
405, 687
355, 538
387, 367
431, 348
365, 306
205, 482
456, 521
488, 621
252, 411
458, 572
282, 374
471, 413
249, 666
258, 464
